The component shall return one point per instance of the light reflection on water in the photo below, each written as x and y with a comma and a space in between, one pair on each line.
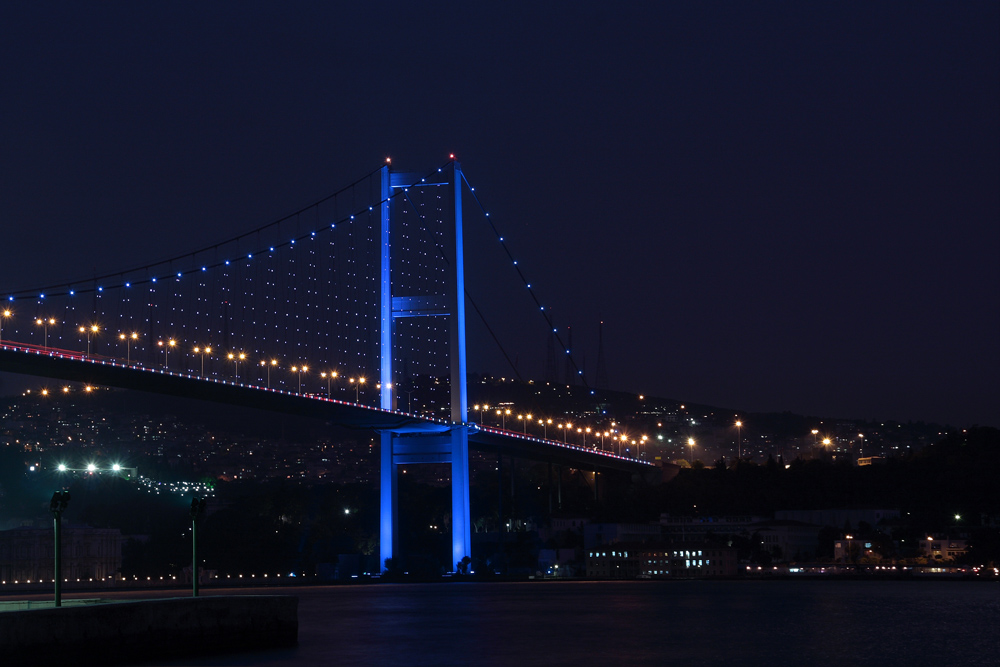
641, 623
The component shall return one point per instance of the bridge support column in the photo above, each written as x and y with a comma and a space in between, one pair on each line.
461, 516
387, 501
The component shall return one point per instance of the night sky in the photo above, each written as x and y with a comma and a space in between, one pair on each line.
771, 206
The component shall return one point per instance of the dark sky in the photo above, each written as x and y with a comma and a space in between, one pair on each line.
772, 206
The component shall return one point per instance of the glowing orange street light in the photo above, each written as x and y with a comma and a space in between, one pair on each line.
88, 331
329, 381
357, 388
236, 358
300, 370
45, 323
166, 350
203, 351
128, 338
4, 315
265, 364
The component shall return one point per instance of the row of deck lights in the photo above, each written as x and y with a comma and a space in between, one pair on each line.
621, 440
171, 344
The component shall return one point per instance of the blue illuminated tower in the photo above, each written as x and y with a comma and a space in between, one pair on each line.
425, 443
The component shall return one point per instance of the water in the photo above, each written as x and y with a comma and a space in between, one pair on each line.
642, 623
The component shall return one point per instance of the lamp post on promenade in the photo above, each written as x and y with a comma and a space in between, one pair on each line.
60, 499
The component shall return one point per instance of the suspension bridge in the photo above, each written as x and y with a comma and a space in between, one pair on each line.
362, 290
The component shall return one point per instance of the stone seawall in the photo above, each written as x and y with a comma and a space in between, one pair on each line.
134, 631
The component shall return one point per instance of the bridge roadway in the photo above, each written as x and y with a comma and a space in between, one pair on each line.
73, 366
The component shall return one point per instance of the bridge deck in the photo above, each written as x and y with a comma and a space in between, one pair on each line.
71, 366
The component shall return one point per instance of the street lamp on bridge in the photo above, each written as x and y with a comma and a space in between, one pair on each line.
166, 350
481, 409
525, 419
357, 388
268, 364
44, 323
565, 428
329, 382
4, 315
203, 351
128, 338
237, 358
88, 331
300, 370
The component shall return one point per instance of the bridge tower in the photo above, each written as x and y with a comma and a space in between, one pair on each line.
425, 443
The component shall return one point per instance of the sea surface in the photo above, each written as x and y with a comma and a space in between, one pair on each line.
686, 623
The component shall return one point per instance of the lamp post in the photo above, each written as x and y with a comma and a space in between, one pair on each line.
815, 433
329, 382
203, 351
565, 427
739, 439
268, 366
357, 388
60, 499
4, 315
166, 350
92, 329
237, 358
128, 338
44, 323
300, 370
691, 445
848, 557
197, 511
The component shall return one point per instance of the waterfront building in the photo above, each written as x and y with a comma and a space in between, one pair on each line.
943, 549
661, 560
